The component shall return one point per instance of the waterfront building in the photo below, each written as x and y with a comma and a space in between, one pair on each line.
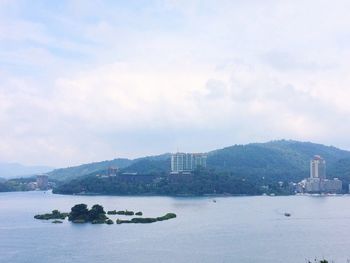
332, 186
318, 167
187, 162
42, 182
317, 182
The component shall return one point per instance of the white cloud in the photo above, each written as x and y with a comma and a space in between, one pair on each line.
85, 85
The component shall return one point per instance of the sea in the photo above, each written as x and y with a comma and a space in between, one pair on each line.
243, 229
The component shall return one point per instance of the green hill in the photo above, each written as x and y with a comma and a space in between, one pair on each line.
65, 174
276, 160
150, 164
283, 160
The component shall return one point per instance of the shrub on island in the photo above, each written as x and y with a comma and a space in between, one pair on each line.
143, 220
79, 221
129, 213
57, 222
109, 222
126, 213
120, 213
147, 220
120, 221
166, 217
54, 215
98, 221
138, 213
113, 212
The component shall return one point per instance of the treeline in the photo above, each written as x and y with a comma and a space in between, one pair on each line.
19, 184
199, 183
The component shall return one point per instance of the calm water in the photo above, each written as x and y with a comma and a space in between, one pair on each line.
234, 229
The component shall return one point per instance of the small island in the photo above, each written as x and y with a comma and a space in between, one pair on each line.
55, 214
80, 214
146, 220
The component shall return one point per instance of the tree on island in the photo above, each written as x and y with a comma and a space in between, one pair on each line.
81, 214
97, 214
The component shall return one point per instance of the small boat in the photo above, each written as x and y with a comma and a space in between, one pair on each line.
287, 214
214, 201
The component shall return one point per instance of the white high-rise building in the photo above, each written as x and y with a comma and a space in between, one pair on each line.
317, 183
187, 162
318, 167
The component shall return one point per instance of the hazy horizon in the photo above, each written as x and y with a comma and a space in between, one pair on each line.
90, 81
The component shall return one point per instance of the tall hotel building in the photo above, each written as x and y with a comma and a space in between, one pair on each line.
318, 168
317, 182
187, 162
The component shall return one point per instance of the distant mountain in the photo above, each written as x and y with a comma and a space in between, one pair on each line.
84, 169
283, 160
12, 170
149, 164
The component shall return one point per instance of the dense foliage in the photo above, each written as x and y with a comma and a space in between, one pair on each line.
54, 215
275, 161
201, 182
81, 214
96, 215
147, 220
19, 184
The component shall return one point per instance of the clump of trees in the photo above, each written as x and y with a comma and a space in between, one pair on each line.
81, 214
146, 220
112, 212
200, 183
54, 215
122, 212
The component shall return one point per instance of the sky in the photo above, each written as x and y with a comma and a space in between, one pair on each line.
84, 81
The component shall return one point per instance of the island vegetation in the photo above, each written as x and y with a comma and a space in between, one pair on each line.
145, 220
57, 222
123, 212
80, 214
55, 214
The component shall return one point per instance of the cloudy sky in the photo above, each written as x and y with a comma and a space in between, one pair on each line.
86, 81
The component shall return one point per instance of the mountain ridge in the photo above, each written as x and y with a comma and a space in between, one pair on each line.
273, 160
12, 170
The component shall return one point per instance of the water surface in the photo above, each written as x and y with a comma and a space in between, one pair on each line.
234, 229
